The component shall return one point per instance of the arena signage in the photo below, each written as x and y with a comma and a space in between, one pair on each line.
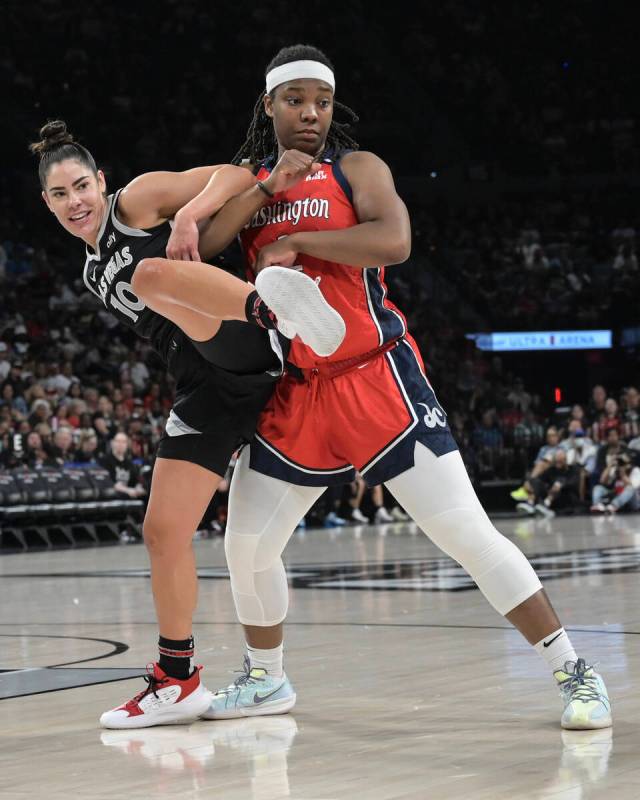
542, 340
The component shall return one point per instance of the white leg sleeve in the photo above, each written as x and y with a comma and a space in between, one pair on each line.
439, 496
263, 513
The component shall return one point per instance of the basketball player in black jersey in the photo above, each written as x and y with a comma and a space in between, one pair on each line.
224, 370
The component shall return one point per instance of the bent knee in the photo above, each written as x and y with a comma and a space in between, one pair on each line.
149, 275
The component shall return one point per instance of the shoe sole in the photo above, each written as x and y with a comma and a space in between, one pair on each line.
606, 722
295, 298
190, 710
277, 707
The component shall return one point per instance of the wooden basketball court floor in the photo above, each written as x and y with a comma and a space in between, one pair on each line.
409, 685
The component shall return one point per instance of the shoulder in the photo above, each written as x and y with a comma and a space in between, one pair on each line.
362, 166
361, 160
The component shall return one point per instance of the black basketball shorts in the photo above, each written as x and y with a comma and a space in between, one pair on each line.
214, 412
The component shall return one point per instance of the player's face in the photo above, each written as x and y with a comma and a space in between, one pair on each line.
302, 111
76, 196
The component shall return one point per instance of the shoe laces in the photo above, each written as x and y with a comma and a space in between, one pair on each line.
153, 684
579, 685
245, 676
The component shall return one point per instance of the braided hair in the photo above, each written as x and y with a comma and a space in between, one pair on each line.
261, 140
57, 144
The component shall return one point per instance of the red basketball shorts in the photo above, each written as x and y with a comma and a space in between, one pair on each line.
363, 414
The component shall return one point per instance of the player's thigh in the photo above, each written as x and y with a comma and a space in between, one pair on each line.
180, 494
197, 326
434, 485
265, 507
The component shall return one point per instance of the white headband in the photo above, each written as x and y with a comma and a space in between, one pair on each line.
295, 70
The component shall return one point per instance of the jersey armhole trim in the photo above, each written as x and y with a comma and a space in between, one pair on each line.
341, 178
120, 226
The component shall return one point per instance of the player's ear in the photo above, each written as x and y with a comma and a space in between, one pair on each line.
268, 105
45, 197
102, 182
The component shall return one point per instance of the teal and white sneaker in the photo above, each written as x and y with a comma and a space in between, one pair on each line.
586, 702
255, 693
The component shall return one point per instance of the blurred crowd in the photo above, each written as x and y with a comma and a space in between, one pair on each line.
72, 380
591, 460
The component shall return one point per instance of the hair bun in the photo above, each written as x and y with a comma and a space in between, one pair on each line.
53, 135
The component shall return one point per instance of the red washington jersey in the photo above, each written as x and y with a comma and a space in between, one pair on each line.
323, 202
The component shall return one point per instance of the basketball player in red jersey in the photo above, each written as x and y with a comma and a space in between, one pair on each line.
321, 204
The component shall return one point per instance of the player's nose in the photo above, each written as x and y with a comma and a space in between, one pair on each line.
308, 112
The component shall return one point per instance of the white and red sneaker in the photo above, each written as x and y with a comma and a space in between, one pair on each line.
165, 701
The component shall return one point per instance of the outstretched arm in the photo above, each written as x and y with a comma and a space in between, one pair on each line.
382, 237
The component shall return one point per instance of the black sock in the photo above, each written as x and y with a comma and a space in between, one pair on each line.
258, 312
175, 657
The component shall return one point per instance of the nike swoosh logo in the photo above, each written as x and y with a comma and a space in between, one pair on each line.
551, 641
257, 699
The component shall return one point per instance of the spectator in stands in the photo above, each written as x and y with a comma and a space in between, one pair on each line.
520, 398
16, 377
5, 364
580, 449
14, 403
87, 452
608, 419
596, 404
618, 487
631, 413
557, 489
577, 413
543, 460
62, 450
103, 431
40, 412
124, 473
581, 452
138, 372
34, 454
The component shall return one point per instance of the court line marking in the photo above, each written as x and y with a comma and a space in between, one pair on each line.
430, 625
118, 647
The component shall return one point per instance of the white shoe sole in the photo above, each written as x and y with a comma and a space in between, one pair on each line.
276, 707
297, 301
605, 722
181, 713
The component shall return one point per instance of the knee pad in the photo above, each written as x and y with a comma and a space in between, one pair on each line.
500, 569
258, 579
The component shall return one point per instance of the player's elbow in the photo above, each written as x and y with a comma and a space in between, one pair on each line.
149, 275
399, 250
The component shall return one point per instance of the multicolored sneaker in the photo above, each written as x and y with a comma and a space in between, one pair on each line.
253, 694
586, 702
520, 494
165, 701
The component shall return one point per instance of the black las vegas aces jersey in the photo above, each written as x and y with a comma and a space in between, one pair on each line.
109, 269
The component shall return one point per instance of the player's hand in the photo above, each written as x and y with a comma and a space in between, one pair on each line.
292, 166
281, 253
183, 242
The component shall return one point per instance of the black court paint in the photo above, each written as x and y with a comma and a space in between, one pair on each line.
426, 575
56, 677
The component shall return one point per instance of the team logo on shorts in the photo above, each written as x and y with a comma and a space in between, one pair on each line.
433, 416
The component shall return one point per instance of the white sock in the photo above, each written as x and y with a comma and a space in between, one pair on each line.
555, 648
269, 660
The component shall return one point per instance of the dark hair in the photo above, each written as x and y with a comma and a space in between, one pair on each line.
261, 140
57, 144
